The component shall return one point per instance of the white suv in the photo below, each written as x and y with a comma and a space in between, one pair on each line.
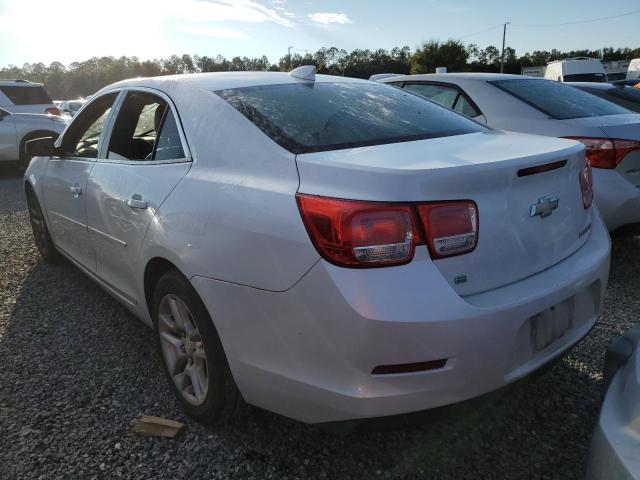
22, 96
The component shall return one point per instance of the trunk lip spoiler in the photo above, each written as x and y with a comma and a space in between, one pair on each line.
546, 167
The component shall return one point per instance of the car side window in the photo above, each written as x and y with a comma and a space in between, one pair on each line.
443, 95
168, 144
83, 135
145, 130
463, 106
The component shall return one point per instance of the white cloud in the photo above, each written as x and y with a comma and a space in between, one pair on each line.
223, 10
327, 18
211, 31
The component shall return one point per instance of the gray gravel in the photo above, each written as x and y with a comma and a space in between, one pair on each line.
76, 369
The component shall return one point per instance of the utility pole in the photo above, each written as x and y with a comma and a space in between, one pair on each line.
504, 36
289, 50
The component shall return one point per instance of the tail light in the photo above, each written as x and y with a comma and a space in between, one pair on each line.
53, 111
353, 233
451, 227
586, 185
605, 152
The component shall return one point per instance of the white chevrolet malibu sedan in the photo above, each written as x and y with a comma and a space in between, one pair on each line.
323, 247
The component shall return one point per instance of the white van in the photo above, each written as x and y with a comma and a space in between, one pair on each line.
633, 73
580, 69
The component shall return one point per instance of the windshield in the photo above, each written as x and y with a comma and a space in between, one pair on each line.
26, 95
586, 77
558, 100
312, 117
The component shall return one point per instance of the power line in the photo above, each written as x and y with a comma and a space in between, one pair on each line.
481, 31
599, 19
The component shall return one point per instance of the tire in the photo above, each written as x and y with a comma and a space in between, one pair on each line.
41, 234
211, 397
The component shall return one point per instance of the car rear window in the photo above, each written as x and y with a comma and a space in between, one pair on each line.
627, 97
26, 95
558, 100
313, 117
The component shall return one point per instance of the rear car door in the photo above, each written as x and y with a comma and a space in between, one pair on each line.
144, 159
65, 181
8, 138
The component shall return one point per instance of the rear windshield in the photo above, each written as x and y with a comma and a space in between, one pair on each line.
558, 100
26, 95
627, 97
313, 117
586, 77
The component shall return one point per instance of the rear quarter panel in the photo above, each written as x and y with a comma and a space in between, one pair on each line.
234, 216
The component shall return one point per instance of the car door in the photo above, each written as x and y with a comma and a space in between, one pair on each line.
8, 137
450, 96
65, 180
145, 157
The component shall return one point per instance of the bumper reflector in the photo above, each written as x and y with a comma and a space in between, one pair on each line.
409, 367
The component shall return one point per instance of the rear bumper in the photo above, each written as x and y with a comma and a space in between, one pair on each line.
616, 198
308, 353
615, 448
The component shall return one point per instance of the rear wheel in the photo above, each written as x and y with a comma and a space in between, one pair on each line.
194, 361
41, 234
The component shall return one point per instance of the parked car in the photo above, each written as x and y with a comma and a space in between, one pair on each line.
610, 132
323, 247
624, 95
71, 107
18, 128
579, 69
21, 96
616, 441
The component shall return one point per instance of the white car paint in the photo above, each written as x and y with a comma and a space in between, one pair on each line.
616, 441
617, 191
302, 335
37, 102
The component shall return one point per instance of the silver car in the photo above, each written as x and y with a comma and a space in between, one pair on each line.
22, 96
18, 128
314, 244
610, 132
615, 450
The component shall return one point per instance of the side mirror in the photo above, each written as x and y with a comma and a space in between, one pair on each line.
40, 147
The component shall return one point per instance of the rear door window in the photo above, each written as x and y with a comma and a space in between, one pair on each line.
20, 95
443, 95
313, 117
557, 100
450, 97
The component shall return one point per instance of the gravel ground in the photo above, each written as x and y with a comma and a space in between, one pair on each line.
76, 369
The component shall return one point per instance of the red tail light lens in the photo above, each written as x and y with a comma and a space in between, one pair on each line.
353, 233
53, 111
451, 228
358, 234
605, 152
586, 185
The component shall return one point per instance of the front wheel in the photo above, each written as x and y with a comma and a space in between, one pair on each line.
41, 234
194, 361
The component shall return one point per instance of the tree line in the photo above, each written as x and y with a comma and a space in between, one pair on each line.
80, 79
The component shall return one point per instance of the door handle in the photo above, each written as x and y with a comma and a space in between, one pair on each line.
76, 190
136, 202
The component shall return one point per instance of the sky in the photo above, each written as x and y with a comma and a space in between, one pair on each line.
76, 30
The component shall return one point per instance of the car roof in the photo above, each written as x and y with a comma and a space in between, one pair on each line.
478, 76
214, 81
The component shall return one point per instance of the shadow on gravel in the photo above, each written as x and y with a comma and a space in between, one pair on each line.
78, 368
11, 190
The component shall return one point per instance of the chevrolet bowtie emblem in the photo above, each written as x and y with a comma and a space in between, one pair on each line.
544, 206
